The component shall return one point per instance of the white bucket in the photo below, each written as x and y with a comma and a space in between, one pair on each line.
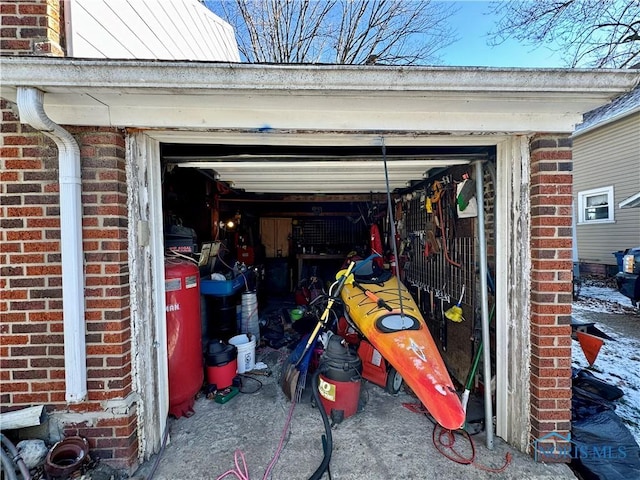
246, 352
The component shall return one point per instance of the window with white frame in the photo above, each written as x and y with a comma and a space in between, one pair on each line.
595, 206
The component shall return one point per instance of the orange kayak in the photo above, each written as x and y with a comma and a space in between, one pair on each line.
403, 339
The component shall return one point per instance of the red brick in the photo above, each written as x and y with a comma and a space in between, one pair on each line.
32, 9
15, 387
47, 386
538, 155
15, 294
8, 8
24, 235
43, 222
14, 44
41, 247
550, 220
14, 339
47, 316
44, 269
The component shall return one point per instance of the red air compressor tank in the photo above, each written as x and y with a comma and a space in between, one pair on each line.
184, 332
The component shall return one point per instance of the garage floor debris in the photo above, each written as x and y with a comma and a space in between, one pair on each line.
385, 440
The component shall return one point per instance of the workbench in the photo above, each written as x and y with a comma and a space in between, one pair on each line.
313, 257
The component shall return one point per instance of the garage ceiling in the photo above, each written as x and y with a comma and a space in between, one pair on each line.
317, 169
343, 175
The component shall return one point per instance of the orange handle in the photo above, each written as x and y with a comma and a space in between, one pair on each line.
372, 296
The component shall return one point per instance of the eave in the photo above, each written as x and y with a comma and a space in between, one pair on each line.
337, 98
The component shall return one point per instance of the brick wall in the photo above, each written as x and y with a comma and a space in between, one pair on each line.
32, 27
32, 344
551, 255
31, 327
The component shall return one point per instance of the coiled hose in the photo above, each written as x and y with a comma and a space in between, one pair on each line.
328, 446
8, 460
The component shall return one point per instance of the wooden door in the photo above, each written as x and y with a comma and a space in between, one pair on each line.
275, 234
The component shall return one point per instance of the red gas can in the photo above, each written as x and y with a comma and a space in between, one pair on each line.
184, 332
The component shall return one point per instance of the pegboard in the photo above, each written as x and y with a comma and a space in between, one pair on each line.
441, 269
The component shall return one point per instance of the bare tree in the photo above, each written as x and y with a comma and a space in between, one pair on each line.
591, 33
339, 31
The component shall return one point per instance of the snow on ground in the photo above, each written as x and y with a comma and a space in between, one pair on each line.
600, 297
618, 362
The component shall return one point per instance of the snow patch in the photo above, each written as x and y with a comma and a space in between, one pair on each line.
618, 362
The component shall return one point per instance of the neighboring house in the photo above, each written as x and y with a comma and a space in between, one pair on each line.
606, 183
83, 306
154, 30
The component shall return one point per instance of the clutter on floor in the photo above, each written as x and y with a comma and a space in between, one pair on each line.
602, 447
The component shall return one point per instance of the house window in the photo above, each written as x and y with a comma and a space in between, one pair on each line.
596, 206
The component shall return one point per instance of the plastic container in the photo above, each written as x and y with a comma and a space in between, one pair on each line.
222, 287
619, 259
246, 352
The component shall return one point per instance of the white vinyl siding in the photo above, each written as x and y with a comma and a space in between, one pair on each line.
148, 29
608, 156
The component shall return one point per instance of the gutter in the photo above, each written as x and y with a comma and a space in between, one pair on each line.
607, 121
31, 109
177, 77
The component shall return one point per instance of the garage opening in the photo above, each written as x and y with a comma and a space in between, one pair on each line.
291, 216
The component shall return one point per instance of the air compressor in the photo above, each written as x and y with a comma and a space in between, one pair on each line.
184, 332
340, 379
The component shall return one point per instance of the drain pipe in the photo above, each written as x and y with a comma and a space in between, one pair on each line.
31, 109
484, 299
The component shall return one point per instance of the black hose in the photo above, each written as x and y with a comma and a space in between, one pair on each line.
324, 466
156, 462
7, 465
16, 456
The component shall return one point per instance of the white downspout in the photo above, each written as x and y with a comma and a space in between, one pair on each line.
31, 108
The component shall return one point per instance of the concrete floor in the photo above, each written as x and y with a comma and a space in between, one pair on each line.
383, 441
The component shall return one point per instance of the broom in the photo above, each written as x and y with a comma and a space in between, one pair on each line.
476, 360
455, 313
294, 376
474, 368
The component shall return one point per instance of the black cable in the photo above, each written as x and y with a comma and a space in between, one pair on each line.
244, 377
324, 466
165, 436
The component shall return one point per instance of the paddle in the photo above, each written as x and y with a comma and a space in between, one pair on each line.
295, 369
372, 296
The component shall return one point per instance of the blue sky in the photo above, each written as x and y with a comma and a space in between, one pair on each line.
472, 23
